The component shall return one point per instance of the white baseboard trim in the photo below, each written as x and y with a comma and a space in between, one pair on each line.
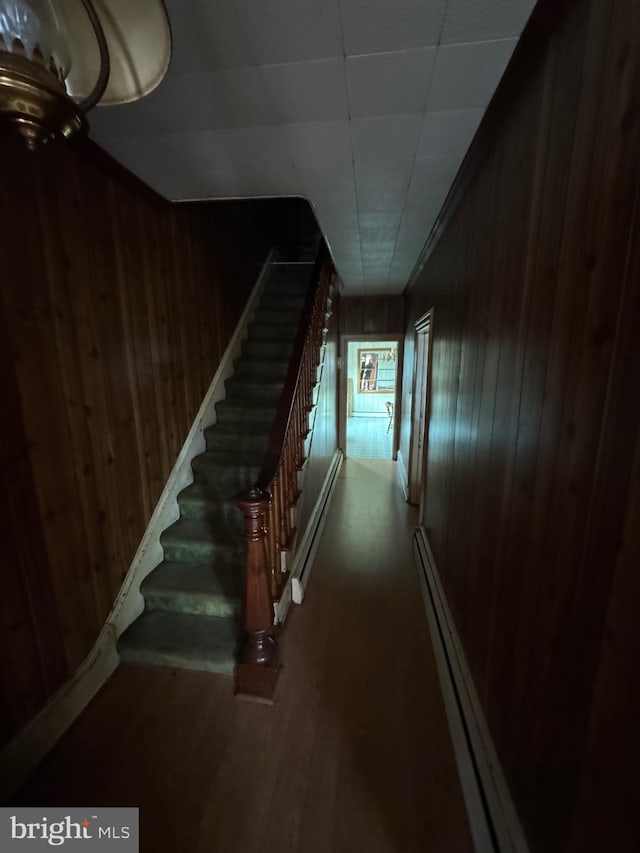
402, 475
308, 544
23, 753
493, 819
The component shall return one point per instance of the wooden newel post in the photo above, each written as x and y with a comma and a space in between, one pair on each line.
257, 672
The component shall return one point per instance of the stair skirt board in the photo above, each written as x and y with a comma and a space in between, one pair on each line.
22, 754
493, 820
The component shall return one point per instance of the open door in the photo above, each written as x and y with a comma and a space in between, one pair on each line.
370, 391
420, 413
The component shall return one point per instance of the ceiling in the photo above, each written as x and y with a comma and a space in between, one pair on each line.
365, 107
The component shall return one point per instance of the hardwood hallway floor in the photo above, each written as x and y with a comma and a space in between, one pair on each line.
355, 756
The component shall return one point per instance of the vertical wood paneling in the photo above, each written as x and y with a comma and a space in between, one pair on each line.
116, 308
535, 414
371, 315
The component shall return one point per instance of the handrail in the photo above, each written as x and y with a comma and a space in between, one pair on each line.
269, 506
285, 406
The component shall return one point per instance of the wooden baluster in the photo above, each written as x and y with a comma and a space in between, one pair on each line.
275, 492
273, 563
257, 673
284, 505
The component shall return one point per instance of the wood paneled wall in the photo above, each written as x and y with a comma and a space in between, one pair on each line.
115, 310
532, 487
371, 315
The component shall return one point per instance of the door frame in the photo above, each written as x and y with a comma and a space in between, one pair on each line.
383, 337
421, 395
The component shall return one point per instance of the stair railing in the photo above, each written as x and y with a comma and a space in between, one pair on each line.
269, 507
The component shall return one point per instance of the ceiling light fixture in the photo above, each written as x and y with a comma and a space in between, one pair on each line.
59, 58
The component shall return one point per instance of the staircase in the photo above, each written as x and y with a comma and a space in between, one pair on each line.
192, 615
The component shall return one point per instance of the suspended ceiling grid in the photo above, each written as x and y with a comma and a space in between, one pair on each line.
365, 107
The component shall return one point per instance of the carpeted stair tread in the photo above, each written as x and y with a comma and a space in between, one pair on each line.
226, 479
196, 540
280, 350
202, 589
285, 332
253, 389
289, 301
182, 640
278, 316
254, 435
238, 411
203, 500
257, 367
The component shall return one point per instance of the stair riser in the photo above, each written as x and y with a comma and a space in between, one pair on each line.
243, 389
219, 476
258, 368
197, 552
279, 301
277, 316
234, 413
184, 602
176, 661
226, 513
264, 350
272, 333
229, 441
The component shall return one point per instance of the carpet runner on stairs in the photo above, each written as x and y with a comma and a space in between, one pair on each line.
193, 598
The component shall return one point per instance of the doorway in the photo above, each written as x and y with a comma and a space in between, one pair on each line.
370, 370
420, 410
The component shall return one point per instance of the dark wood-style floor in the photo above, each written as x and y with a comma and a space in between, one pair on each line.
355, 756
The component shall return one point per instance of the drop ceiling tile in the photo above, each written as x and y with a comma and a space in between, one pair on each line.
389, 83
340, 223
319, 143
385, 139
237, 149
209, 36
379, 218
386, 191
307, 91
447, 132
346, 269
331, 189
466, 75
210, 100
380, 235
377, 256
291, 30
373, 26
348, 243
480, 20
430, 181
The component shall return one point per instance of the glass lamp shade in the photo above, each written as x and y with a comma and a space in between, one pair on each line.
36, 30
121, 52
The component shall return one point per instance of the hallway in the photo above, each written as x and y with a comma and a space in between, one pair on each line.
355, 756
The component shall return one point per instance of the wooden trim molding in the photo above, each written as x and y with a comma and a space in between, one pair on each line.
28, 747
403, 476
493, 819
